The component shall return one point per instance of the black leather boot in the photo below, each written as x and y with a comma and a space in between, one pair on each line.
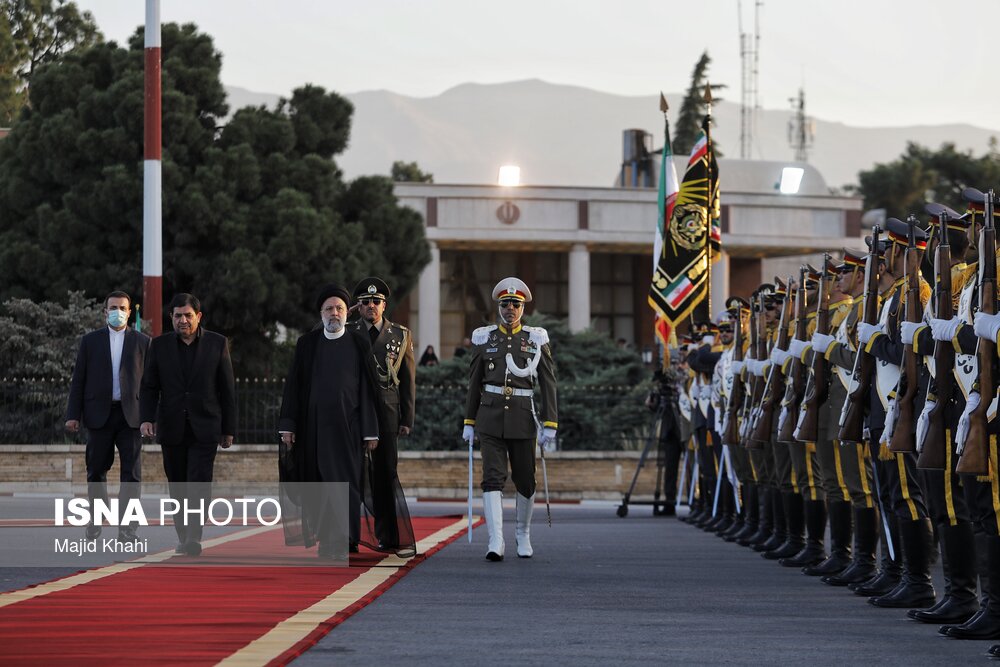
795, 520
994, 651
727, 506
985, 624
765, 520
778, 526
915, 588
958, 555
707, 502
813, 552
862, 567
890, 566
840, 542
751, 515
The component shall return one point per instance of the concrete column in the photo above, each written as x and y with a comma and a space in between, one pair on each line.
429, 313
720, 284
579, 288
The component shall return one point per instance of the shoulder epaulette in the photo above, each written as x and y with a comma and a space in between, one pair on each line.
482, 334
537, 335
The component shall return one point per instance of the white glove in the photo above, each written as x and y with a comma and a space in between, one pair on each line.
890, 422
779, 356
469, 433
757, 367
923, 423
822, 342
907, 330
964, 421
547, 439
737, 367
987, 326
945, 330
867, 331
797, 347
708, 340
782, 416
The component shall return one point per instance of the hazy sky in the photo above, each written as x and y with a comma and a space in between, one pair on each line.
862, 62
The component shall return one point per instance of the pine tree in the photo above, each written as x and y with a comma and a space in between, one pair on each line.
688, 124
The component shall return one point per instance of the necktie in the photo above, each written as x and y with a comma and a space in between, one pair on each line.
373, 333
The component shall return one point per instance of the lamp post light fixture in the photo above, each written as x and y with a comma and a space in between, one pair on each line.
509, 176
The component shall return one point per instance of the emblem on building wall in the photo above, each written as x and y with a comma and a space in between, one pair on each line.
508, 213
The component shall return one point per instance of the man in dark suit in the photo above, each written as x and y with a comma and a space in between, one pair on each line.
104, 395
188, 402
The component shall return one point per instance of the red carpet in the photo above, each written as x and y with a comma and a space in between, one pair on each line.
200, 615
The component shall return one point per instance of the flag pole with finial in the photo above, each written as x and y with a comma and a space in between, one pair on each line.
667, 155
706, 124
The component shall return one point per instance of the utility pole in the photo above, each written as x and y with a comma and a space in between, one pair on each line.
749, 69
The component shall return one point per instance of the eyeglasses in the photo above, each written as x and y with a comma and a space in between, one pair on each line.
369, 300
770, 306
510, 303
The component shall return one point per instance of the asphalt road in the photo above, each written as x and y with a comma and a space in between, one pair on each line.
640, 590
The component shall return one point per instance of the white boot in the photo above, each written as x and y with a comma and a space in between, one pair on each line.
522, 526
493, 512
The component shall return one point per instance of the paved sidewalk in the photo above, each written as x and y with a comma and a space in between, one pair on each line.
640, 590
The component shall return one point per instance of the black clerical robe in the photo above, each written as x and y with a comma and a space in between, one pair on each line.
329, 404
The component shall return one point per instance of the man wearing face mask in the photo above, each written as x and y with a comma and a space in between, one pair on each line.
328, 419
500, 411
104, 395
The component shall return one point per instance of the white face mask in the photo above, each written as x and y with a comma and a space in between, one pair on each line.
117, 318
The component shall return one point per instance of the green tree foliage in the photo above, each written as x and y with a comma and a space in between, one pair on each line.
256, 215
693, 108
41, 339
601, 392
33, 33
409, 172
922, 174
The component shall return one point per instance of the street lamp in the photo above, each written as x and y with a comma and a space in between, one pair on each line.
509, 176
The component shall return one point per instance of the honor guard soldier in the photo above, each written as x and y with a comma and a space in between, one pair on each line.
508, 360
392, 351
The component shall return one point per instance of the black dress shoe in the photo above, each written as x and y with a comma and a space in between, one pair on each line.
949, 611
858, 572
192, 548
835, 564
994, 651
984, 625
907, 594
93, 532
127, 534
882, 584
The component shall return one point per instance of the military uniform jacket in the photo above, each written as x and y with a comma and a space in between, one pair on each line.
500, 402
394, 367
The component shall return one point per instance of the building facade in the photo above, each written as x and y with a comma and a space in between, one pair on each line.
586, 253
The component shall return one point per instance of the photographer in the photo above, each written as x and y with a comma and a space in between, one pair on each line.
663, 399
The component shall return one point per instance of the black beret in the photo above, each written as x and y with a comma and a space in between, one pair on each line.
329, 290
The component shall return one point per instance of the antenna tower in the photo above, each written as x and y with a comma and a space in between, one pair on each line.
801, 128
749, 61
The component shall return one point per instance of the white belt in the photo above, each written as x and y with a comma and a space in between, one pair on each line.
507, 391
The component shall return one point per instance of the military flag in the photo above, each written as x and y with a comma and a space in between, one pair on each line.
691, 236
665, 204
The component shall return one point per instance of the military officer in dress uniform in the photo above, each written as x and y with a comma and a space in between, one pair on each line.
392, 350
508, 360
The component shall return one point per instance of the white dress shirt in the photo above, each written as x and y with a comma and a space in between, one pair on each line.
117, 344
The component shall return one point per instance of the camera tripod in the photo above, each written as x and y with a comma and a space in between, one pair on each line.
659, 506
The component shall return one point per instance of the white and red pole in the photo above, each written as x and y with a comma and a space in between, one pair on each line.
152, 199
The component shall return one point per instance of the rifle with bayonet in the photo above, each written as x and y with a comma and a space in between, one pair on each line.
974, 451
817, 383
795, 385
731, 433
852, 416
764, 423
758, 343
903, 434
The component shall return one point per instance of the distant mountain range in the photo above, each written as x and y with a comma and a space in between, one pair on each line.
567, 135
